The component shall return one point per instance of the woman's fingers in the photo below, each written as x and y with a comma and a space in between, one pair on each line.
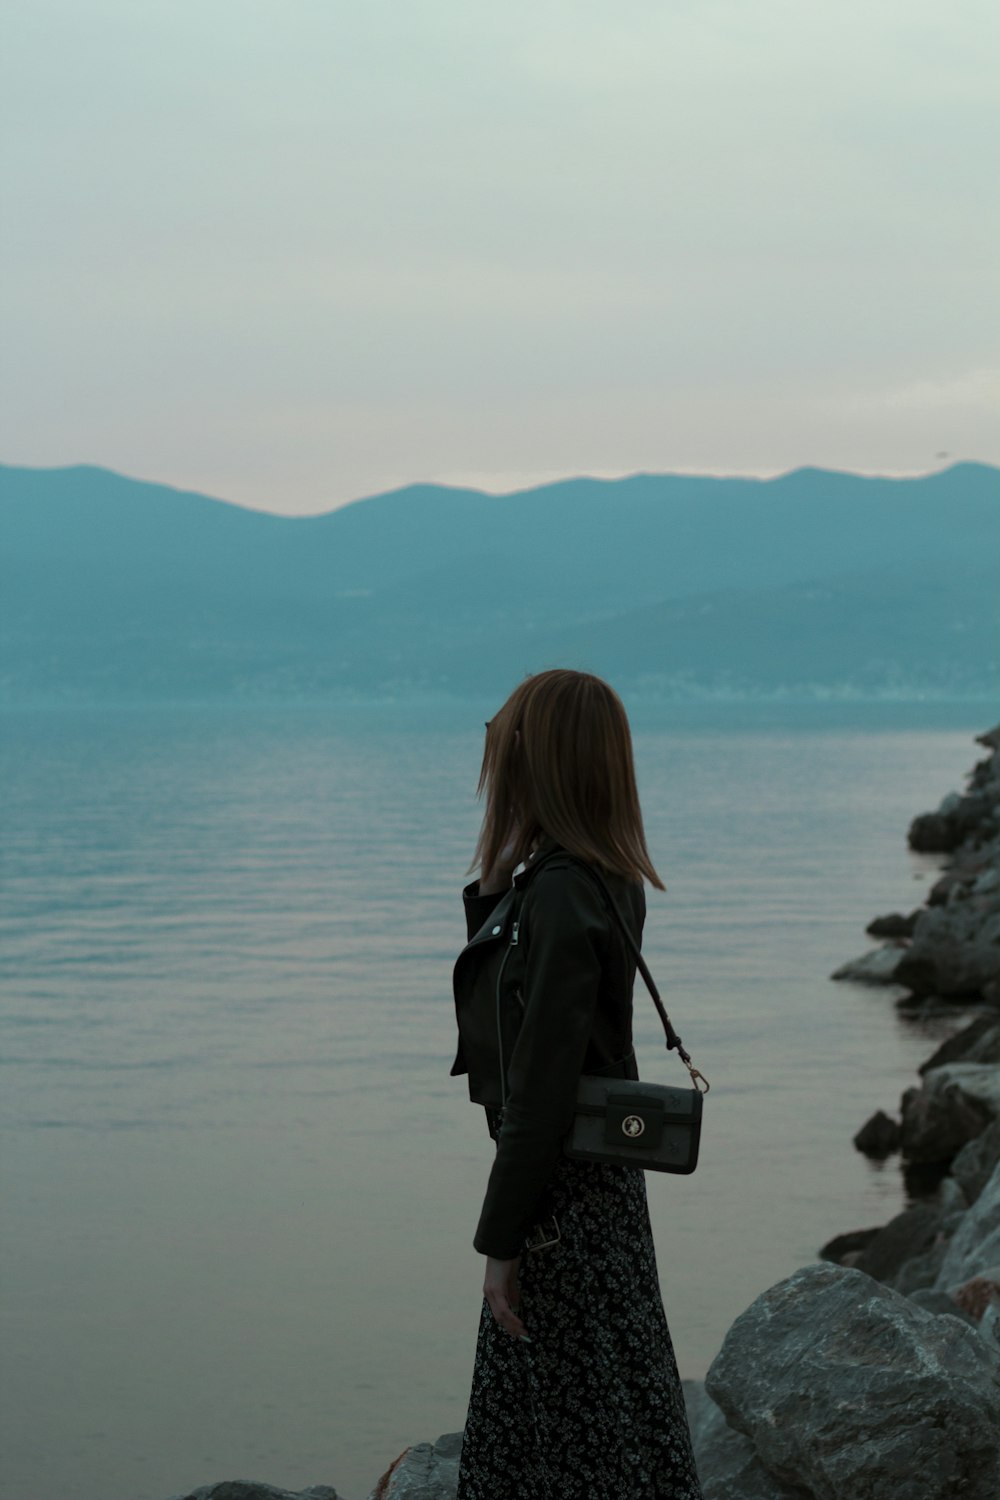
504, 1295
505, 1315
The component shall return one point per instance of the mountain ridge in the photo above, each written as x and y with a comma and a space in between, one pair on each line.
686, 580
472, 492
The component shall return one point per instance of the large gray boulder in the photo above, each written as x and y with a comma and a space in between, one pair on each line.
893, 924
964, 818
975, 1245
955, 949
909, 1233
876, 966
426, 1471
845, 1248
854, 1392
936, 832
979, 1081
989, 1326
940, 1302
973, 1167
939, 1117
920, 1272
978, 1042
727, 1463
879, 1135
252, 1489
957, 820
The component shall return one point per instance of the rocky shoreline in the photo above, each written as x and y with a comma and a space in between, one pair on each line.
873, 1373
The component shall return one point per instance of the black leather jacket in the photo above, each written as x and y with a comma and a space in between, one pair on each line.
560, 991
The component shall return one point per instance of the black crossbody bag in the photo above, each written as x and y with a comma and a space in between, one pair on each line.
652, 1125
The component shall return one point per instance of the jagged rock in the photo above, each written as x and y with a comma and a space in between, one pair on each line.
975, 1245
990, 738
907, 1234
977, 1042
975, 1295
924, 1007
966, 821
943, 889
728, 1467
974, 1164
961, 877
844, 1249
878, 1136
939, 1117
249, 1489
850, 1390
958, 818
919, 1273
892, 925
940, 1304
425, 1471
950, 1198
989, 1327
877, 966
922, 1269
986, 883
986, 1048
977, 1081
955, 949
697, 1403
934, 833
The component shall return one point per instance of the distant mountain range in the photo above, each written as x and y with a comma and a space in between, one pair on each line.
814, 584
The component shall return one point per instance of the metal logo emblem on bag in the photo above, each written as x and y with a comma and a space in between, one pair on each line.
633, 1125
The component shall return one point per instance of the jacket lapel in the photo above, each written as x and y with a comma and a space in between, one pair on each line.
498, 919
497, 924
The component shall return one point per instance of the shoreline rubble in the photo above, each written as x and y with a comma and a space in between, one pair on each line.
895, 1329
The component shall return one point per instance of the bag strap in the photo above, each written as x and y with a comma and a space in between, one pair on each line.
673, 1040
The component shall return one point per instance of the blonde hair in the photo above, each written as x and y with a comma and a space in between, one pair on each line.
558, 761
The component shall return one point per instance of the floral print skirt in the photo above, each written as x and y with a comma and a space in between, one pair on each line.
592, 1408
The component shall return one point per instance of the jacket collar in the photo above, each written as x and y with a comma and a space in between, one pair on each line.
546, 846
496, 923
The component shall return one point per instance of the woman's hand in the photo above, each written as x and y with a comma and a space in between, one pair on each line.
503, 1294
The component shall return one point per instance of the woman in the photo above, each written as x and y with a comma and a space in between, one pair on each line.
575, 1389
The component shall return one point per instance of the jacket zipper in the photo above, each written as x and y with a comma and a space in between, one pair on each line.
503, 964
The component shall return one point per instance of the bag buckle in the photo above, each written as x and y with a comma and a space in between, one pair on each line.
632, 1119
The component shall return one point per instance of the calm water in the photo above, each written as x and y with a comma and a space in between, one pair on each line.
239, 1185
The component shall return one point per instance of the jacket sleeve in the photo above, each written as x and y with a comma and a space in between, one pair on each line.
477, 907
565, 939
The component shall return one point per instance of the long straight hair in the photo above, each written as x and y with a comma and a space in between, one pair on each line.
558, 761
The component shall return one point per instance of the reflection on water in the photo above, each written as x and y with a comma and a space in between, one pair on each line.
240, 1186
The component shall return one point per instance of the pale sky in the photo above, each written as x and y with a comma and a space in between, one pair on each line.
293, 252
